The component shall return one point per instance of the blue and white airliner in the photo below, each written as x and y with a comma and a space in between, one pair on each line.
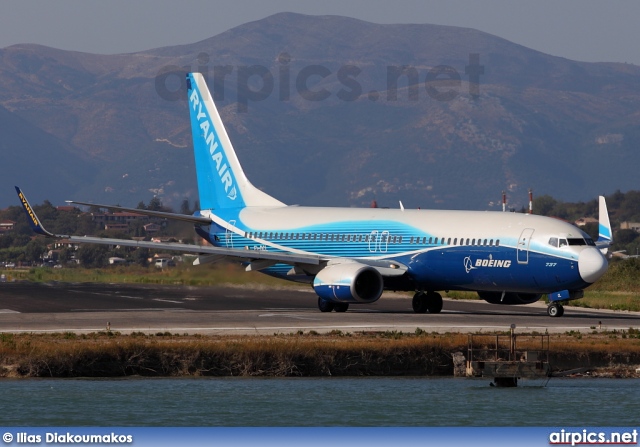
351, 255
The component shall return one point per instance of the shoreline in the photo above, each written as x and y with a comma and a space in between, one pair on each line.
337, 354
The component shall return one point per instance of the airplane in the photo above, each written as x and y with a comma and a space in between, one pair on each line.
351, 255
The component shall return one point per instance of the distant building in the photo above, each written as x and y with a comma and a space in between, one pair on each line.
635, 226
163, 239
6, 226
65, 243
585, 220
114, 226
151, 228
103, 219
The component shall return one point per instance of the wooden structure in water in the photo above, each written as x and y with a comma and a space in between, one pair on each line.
499, 357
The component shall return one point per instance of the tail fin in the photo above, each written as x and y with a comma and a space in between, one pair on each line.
605, 235
221, 180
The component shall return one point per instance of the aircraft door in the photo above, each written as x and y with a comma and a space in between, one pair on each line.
523, 245
229, 235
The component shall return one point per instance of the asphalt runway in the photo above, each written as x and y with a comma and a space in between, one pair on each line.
84, 308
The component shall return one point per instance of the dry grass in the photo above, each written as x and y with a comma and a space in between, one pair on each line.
303, 354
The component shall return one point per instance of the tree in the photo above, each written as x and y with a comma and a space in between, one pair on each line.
92, 255
185, 207
155, 204
544, 205
35, 250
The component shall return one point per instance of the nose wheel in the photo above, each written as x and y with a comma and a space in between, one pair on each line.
555, 310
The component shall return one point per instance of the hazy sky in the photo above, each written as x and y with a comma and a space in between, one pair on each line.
587, 30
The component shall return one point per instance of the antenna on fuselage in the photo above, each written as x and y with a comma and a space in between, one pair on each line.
530, 201
504, 201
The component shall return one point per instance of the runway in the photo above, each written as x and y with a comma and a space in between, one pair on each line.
85, 308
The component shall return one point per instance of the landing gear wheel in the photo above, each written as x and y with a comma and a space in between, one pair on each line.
555, 310
419, 303
341, 307
434, 302
325, 306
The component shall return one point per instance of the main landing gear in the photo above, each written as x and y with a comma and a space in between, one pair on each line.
427, 302
328, 306
555, 310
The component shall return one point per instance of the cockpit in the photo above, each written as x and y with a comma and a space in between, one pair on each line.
571, 241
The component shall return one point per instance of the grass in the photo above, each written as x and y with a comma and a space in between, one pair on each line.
183, 274
609, 300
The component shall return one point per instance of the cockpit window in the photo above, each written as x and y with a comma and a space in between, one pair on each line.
563, 243
590, 241
576, 241
553, 241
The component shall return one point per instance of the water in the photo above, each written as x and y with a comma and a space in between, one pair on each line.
317, 402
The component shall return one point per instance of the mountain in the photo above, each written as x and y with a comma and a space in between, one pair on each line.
115, 129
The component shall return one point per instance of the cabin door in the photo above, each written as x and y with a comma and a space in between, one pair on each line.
523, 245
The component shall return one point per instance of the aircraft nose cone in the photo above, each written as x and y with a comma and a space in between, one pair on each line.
592, 264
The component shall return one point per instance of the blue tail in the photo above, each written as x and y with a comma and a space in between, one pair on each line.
221, 180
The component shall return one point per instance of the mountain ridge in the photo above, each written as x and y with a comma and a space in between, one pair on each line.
561, 127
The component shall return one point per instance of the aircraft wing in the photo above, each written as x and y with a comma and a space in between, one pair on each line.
236, 253
209, 251
182, 217
256, 259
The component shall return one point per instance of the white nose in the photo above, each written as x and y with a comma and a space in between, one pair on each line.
592, 264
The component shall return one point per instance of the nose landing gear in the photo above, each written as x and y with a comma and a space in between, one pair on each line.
555, 310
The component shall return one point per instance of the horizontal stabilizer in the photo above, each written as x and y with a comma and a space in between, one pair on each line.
161, 214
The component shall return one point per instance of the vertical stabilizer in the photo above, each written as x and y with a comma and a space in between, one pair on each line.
221, 180
605, 235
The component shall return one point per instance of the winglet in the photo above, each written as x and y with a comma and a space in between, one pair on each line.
32, 218
605, 234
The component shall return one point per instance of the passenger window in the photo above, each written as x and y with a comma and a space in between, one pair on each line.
497, 242
455, 241
491, 242
473, 242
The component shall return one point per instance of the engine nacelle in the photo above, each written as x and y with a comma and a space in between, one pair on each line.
349, 283
509, 297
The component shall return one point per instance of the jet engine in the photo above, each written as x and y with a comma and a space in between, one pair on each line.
349, 283
509, 297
